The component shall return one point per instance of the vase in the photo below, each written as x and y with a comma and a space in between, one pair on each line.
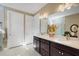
52, 34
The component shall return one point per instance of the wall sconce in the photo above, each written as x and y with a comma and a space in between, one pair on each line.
45, 15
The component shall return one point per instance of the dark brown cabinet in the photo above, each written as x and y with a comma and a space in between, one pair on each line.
44, 48
49, 48
36, 43
58, 52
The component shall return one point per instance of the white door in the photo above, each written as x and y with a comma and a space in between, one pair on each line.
28, 29
15, 25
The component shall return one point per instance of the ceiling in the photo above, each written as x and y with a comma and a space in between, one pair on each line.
31, 8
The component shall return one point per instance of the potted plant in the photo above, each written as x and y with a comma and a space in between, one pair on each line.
51, 30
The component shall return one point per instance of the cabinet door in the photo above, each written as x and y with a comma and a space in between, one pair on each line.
55, 52
44, 52
58, 50
44, 47
36, 44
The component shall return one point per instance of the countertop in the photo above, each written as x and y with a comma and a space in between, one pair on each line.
71, 42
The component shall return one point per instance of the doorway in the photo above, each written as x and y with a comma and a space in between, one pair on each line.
15, 28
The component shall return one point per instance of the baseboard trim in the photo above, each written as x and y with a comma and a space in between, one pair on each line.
15, 47
29, 43
20, 45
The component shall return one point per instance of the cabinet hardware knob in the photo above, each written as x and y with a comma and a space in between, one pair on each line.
62, 53
59, 52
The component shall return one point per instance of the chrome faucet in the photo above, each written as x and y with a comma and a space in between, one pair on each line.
67, 36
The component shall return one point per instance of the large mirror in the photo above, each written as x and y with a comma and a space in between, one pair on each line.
43, 25
67, 22
63, 22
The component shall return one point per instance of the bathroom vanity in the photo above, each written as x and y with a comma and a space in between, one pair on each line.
56, 46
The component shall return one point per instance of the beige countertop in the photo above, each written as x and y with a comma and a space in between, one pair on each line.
72, 42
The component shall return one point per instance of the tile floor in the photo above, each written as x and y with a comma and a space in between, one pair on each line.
26, 50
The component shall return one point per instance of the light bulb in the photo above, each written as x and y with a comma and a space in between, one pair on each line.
61, 8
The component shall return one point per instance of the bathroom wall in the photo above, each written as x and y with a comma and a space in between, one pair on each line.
36, 23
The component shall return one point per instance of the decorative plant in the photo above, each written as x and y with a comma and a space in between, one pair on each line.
52, 29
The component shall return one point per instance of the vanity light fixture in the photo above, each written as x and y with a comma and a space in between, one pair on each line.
45, 15
67, 6
61, 8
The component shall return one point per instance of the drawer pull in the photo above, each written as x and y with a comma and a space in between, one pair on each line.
62, 53
59, 52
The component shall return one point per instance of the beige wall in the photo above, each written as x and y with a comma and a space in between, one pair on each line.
50, 8
69, 20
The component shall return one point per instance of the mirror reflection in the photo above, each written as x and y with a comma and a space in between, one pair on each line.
67, 25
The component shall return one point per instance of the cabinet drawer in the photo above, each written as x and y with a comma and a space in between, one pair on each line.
45, 46
70, 50
58, 52
45, 41
44, 52
67, 49
55, 52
